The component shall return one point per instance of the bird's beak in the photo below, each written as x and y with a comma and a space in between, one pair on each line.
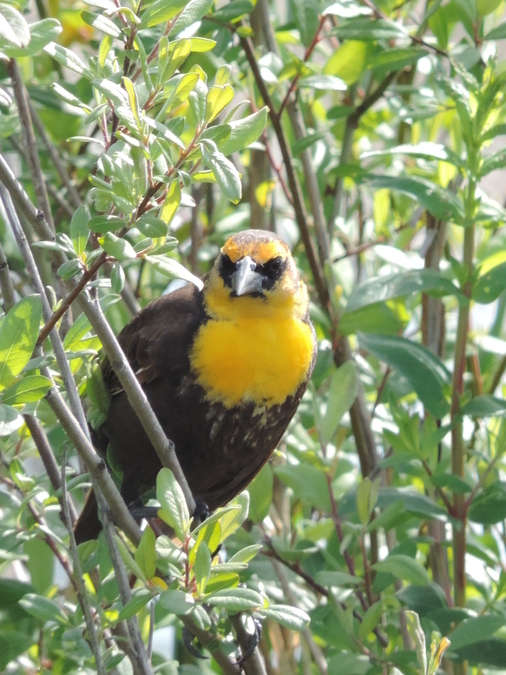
246, 280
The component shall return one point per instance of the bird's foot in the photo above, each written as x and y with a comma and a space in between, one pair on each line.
254, 641
188, 638
138, 510
201, 511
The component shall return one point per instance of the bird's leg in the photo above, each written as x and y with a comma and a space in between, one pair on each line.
139, 511
188, 638
254, 641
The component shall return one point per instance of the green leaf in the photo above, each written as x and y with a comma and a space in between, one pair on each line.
475, 629
306, 142
307, 482
162, 11
128, 560
418, 636
42, 608
172, 269
490, 285
18, 334
41, 34
79, 229
235, 599
145, 555
14, 643
217, 99
232, 520
245, 131
70, 269
10, 420
370, 620
424, 150
414, 502
395, 59
425, 373
13, 27
117, 278
171, 202
121, 249
194, 11
152, 227
260, 492
233, 11
491, 652
380, 289
342, 393
403, 567
489, 506
369, 29
336, 579
227, 176
483, 406
496, 161
423, 600
305, 14
67, 58
139, 600
104, 224
101, 23
202, 567
177, 602
27, 390
441, 203
174, 509
497, 33
349, 61
288, 616
323, 83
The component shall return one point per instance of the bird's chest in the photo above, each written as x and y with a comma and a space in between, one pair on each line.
259, 360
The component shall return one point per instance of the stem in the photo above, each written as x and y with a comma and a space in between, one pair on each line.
458, 449
6, 287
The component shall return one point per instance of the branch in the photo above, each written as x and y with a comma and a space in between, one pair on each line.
6, 287
33, 272
73, 194
39, 183
78, 576
210, 642
298, 202
254, 665
136, 396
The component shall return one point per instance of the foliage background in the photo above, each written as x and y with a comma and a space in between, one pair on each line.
381, 516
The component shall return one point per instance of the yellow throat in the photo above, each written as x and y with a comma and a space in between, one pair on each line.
251, 349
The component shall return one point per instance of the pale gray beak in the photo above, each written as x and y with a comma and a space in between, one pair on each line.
245, 280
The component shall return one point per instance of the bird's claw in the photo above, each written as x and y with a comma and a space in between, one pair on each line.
255, 640
188, 638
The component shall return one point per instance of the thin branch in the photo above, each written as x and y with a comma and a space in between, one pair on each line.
95, 464
140, 661
49, 461
6, 287
318, 656
73, 194
39, 183
33, 272
78, 576
136, 396
298, 202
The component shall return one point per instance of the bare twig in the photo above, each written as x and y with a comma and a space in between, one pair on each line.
30, 142
78, 576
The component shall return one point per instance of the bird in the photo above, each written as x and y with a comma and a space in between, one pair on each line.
224, 369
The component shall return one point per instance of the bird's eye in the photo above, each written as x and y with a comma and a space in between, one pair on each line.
226, 269
273, 267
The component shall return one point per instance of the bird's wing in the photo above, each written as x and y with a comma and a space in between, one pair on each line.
156, 342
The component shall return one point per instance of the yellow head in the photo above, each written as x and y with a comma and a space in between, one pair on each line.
255, 275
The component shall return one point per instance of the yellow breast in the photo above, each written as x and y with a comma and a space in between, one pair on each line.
259, 359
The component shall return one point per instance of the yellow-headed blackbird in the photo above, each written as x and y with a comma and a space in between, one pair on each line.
223, 368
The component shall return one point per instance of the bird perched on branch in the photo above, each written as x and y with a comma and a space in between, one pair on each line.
224, 369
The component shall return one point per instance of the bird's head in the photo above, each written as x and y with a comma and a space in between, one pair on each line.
255, 275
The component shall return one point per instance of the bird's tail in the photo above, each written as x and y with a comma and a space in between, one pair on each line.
88, 525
